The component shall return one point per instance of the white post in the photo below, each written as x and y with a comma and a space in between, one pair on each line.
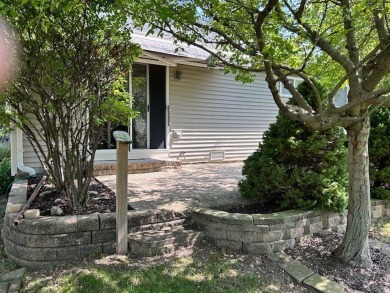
122, 149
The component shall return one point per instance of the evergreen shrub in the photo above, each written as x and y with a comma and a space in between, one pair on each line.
5, 151
379, 151
296, 167
5, 175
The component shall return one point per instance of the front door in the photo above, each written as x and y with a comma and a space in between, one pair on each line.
149, 92
148, 86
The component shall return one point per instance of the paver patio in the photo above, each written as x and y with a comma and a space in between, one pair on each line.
193, 185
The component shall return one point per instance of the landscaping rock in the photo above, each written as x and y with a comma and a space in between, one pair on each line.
32, 214
58, 201
297, 270
45, 193
56, 211
4, 286
323, 284
93, 193
17, 274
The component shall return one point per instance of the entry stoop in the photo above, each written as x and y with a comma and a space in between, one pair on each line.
161, 242
135, 166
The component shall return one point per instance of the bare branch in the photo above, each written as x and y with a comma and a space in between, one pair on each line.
295, 94
301, 9
380, 24
307, 31
352, 44
380, 66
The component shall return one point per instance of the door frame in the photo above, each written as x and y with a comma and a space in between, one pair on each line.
110, 154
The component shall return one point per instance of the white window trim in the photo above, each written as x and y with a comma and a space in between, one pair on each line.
282, 90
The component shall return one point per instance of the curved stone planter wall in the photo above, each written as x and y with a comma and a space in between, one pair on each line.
42, 241
265, 233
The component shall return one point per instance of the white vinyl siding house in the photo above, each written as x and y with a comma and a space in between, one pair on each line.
194, 113
211, 111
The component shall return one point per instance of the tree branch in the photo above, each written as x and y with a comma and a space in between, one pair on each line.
380, 25
352, 45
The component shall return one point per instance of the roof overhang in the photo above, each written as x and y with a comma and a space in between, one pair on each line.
164, 51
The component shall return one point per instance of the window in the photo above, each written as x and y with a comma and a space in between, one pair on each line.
341, 97
284, 92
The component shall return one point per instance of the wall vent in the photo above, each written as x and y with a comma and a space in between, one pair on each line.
217, 155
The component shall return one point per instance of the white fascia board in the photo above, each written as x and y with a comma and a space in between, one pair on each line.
165, 60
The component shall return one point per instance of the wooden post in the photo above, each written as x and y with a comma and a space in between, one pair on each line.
122, 149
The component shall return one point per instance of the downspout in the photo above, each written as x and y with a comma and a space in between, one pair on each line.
14, 163
19, 145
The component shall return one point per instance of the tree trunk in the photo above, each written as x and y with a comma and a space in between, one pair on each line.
354, 249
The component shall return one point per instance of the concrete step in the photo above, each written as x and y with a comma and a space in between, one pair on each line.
135, 166
159, 226
162, 242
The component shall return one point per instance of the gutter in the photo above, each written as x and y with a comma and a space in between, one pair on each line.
19, 154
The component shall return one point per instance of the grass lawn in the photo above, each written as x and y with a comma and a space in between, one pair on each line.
185, 274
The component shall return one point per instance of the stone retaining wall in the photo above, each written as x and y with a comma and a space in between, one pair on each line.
265, 233
42, 241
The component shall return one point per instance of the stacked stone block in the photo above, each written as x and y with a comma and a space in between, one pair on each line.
42, 241
266, 233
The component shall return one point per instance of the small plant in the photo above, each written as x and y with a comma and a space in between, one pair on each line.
296, 167
379, 150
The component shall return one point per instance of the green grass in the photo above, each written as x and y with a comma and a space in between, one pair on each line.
181, 275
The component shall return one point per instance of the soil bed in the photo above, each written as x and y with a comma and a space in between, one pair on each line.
104, 202
316, 253
255, 209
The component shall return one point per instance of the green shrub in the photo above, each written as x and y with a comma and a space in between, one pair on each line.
5, 175
296, 167
379, 150
5, 151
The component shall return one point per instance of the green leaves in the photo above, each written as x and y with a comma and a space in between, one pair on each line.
296, 167
379, 151
74, 61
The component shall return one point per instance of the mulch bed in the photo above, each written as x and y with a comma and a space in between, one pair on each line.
316, 253
104, 202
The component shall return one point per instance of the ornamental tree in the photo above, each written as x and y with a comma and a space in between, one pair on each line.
74, 56
336, 42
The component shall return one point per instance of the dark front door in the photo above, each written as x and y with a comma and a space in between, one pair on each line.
157, 92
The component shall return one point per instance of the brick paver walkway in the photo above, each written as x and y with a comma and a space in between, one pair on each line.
194, 185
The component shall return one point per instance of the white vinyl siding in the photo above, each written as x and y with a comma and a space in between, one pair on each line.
214, 112
30, 159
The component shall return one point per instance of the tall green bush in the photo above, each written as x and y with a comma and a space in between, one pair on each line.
5, 167
379, 150
5, 151
296, 167
5, 175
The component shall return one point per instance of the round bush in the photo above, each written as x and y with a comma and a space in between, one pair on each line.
379, 151
296, 167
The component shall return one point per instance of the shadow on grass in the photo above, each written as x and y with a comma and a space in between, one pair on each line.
183, 275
